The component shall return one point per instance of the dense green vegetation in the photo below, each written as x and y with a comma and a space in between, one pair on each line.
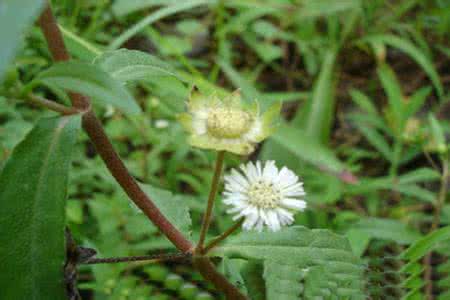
364, 86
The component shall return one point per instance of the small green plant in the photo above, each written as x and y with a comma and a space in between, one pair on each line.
129, 170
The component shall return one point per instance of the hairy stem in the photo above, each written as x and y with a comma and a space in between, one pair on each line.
434, 225
212, 196
147, 258
223, 236
94, 129
52, 105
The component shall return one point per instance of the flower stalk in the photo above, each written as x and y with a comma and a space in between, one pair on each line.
210, 205
223, 236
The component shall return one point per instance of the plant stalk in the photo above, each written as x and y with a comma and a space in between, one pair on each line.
212, 196
94, 129
223, 236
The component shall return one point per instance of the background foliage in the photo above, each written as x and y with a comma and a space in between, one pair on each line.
365, 90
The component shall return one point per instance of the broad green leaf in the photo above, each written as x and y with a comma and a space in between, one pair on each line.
161, 13
415, 53
317, 117
174, 207
129, 65
89, 80
290, 253
33, 190
299, 143
15, 17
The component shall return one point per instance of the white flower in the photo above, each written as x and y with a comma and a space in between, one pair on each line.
263, 195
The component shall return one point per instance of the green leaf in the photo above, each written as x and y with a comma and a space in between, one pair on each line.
174, 207
159, 14
387, 229
317, 117
426, 244
415, 53
394, 94
299, 143
419, 175
130, 65
291, 253
89, 80
125, 7
78, 47
33, 190
363, 101
15, 17
249, 91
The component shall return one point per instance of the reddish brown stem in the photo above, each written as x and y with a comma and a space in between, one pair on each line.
94, 129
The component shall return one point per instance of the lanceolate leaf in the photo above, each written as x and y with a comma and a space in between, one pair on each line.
33, 189
291, 253
15, 17
92, 81
317, 116
128, 65
415, 53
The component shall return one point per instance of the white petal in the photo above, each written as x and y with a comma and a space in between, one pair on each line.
250, 221
270, 171
293, 204
274, 223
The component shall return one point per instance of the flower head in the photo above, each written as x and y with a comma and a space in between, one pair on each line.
263, 195
226, 124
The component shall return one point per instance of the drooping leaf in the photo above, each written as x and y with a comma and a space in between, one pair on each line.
15, 17
33, 189
129, 65
317, 117
163, 12
289, 255
89, 80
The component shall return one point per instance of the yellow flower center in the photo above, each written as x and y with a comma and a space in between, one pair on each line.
224, 122
263, 195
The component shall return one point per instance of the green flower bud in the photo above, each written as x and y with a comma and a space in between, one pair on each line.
227, 124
